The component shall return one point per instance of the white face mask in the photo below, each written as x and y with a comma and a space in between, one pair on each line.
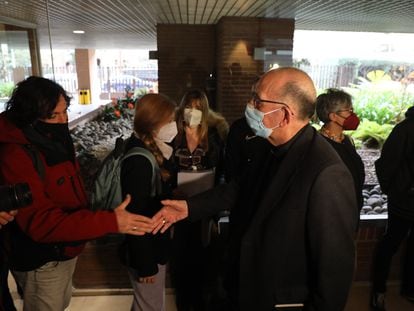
167, 132
192, 117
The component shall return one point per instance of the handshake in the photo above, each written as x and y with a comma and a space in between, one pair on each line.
19, 195
134, 224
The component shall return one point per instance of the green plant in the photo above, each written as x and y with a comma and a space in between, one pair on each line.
6, 89
371, 134
119, 108
382, 101
139, 92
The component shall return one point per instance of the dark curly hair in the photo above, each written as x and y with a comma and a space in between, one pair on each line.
32, 99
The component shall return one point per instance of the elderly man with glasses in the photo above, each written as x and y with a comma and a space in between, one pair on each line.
292, 224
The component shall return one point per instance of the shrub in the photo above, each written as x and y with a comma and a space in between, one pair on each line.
121, 107
382, 102
6, 89
371, 134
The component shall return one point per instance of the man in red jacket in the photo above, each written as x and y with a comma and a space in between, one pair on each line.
47, 236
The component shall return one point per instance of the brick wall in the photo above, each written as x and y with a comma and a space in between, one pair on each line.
237, 68
186, 58
369, 234
188, 54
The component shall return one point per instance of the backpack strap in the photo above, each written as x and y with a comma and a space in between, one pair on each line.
34, 154
156, 177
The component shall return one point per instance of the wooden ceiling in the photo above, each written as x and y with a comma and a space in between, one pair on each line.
132, 23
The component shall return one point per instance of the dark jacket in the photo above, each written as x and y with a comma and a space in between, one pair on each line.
202, 159
298, 246
346, 150
395, 168
57, 223
144, 253
241, 147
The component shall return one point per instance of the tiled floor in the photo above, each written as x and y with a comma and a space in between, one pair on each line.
360, 296
358, 300
86, 301
104, 303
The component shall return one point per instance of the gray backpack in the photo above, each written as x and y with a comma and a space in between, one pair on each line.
107, 192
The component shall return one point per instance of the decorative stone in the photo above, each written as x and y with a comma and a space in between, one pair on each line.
366, 208
374, 201
378, 209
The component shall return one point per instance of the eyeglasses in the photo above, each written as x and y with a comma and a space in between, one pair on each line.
351, 110
257, 101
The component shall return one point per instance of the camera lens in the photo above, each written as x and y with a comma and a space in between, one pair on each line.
15, 196
23, 194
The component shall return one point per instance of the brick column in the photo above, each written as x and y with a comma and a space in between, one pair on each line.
186, 58
86, 69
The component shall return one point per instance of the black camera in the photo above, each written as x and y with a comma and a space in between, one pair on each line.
14, 196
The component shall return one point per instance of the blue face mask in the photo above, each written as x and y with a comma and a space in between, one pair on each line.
255, 118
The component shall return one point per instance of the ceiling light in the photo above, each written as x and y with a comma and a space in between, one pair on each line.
78, 31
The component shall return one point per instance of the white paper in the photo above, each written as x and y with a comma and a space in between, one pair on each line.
193, 182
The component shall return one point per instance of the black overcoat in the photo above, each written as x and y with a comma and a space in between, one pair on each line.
395, 168
299, 244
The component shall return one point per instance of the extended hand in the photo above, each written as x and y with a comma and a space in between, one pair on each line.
132, 223
172, 212
6, 217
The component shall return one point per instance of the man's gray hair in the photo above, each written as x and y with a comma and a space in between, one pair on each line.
302, 98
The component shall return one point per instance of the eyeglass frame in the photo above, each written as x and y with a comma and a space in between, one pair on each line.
350, 110
255, 99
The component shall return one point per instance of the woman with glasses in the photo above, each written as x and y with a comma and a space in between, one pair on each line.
334, 109
198, 147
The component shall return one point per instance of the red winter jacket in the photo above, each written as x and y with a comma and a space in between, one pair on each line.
59, 214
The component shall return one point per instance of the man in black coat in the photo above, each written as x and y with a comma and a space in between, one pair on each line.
242, 146
395, 171
293, 213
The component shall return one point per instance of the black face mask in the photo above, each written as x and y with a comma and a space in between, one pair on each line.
54, 131
62, 147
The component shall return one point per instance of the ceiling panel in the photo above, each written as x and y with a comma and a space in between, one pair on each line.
132, 23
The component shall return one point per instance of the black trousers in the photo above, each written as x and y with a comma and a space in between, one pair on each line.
197, 271
397, 230
187, 266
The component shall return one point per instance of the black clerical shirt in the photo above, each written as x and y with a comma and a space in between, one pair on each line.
253, 186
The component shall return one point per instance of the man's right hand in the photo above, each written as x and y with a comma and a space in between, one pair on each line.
132, 223
6, 217
173, 211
